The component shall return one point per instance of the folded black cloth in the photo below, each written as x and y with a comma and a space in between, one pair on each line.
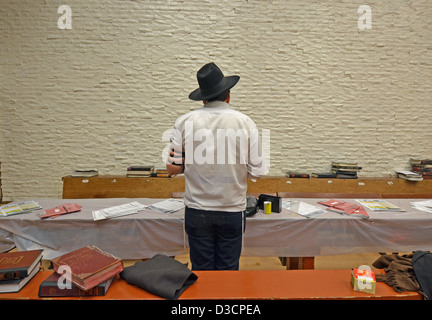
422, 264
160, 275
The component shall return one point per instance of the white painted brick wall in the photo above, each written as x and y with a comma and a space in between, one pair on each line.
102, 93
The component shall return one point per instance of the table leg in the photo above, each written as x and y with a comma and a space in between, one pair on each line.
299, 263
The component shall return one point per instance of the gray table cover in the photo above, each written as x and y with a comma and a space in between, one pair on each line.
284, 234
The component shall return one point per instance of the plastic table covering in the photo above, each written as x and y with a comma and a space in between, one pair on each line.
284, 234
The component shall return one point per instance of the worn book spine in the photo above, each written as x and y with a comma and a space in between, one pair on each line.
50, 288
14, 274
47, 290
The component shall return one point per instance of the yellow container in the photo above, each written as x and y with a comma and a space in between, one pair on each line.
267, 207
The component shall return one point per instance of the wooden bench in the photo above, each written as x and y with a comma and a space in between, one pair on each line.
246, 284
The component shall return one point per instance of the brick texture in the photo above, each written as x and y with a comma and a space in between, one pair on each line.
102, 93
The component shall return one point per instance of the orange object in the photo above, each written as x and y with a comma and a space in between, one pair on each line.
247, 284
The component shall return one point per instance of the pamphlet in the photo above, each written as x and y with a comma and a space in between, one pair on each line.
379, 205
18, 208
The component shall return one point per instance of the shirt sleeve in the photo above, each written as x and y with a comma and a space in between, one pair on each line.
258, 161
176, 138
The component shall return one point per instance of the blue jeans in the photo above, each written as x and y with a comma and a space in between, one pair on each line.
215, 238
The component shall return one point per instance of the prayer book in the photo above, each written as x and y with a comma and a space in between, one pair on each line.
89, 266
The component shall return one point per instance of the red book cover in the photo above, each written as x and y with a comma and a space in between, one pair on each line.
331, 203
358, 212
89, 266
345, 206
62, 209
18, 264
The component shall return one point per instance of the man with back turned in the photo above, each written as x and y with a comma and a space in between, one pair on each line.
216, 148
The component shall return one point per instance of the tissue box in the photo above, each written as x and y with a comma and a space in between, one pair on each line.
363, 280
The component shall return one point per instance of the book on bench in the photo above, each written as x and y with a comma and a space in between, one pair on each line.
50, 288
17, 268
89, 266
18, 264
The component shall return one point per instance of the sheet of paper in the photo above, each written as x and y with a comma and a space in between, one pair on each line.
425, 205
118, 211
168, 205
306, 210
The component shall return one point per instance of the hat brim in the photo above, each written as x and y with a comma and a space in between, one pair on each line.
230, 82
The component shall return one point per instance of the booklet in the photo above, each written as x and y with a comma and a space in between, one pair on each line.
18, 208
379, 205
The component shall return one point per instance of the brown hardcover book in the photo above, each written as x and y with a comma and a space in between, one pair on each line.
89, 266
18, 264
50, 288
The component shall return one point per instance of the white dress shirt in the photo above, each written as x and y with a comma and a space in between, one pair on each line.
222, 147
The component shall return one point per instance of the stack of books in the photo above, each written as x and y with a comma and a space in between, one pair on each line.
340, 170
345, 170
422, 167
139, 171
161, 173
17, 268
409, 175
87, 271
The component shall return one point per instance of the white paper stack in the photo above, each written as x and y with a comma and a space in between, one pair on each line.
168, 205
306, 210
422, 205
118, 211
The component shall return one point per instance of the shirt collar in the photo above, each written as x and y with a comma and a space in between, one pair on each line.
216, 104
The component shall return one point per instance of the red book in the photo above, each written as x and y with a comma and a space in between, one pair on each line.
345, 206
359, 212
89, 266
62, 209
18, 264
331, 203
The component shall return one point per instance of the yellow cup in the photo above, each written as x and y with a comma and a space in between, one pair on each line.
267, 207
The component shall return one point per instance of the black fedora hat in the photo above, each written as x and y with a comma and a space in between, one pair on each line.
212, 82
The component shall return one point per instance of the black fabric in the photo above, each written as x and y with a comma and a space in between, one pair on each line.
251, 206
160, 275
422, 263
399, 272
